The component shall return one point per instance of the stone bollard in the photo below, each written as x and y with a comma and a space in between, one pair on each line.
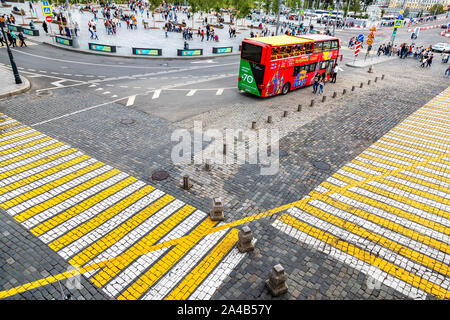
376, 79
382, 77
216, 213
334, 94
370, 69
344, 92
324, 98
368, 82
285, 113
277, 281
299, 108
312, 103
187, 184
269, 119
208, 165
353, 88
254, 125
361, 85
245, 240
240, 135
224, 148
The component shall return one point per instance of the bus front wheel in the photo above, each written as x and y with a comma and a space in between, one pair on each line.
286, 88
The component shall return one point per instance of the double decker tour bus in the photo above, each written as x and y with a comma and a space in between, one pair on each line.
279, 64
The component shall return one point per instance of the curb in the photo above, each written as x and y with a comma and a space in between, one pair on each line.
27, 86
138, 57
349, 64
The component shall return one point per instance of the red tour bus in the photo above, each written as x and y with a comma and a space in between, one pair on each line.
274, 65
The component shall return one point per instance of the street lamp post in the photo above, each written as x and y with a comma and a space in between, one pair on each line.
335, 18
278, 17
11, 58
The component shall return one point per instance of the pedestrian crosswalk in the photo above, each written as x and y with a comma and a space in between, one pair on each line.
94, 215
387, 212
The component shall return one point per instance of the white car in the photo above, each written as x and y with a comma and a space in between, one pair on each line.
441, 47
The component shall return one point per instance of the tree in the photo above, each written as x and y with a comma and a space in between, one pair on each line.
195, 7
242, 7
153, 5
382, 12
440, 9
406, 13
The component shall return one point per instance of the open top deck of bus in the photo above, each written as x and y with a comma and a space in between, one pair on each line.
317, 37
282, 40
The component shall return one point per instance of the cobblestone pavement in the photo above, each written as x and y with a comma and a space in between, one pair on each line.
314, 148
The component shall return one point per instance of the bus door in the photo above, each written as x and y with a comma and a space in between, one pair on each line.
330, 67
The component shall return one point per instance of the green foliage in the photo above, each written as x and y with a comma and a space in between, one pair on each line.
440, 9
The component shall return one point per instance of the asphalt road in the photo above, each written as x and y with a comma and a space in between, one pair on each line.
158, 86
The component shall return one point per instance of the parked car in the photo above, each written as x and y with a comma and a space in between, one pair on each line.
441, 47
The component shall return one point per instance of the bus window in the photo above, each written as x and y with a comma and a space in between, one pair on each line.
326, 45
298, 69
334, 44
308, 48
251, 52
289, 51
311, 67
323, 65
295, 50
318, 47
275, 52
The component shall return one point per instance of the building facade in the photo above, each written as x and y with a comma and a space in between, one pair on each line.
417, 4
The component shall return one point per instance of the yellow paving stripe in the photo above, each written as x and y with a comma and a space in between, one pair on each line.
441, 170
374, 237
367, 257
16, 139
145, 281
406, 200
379, 160
423, 194
396, 211
388, 224
126, 258
429, 121
38, 162
80, 207
31, 154
402, 158
99, 219
115, 235
46, 187
203, 269
422, 132
427, 143
11, 132
442, 118
409, 145
436, 176
24, 146
425, 126
429, 106
400, 149
38, 208
7, 126
437, 187
442, 115
425, 118
381, 170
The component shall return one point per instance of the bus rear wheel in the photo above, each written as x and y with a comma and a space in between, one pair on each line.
286, 88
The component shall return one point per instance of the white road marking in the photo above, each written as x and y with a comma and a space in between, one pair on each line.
130, 101
219, 92
191, 93
156, 94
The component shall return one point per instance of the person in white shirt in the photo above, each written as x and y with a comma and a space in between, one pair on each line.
335, 71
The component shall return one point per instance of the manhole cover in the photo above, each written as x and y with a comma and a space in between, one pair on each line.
282, 153
127, 121
321, 165
45, 93
160, 175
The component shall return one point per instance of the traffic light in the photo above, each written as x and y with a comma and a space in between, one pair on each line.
395, 32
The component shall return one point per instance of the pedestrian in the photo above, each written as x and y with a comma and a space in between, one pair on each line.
321, 85
316, 82
22, 40
447, 72
429, 60
335, 71
12, 38
45, 27
2, 41
186, 45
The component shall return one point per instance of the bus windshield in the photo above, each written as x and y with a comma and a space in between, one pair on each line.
251, 52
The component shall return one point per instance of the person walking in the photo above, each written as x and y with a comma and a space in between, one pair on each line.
11, 38
22, 40
429, 60
45, 27
321, 85
316, 82
335, 71
447, 72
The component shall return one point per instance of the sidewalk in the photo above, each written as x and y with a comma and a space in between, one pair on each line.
9, 86
361, 63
